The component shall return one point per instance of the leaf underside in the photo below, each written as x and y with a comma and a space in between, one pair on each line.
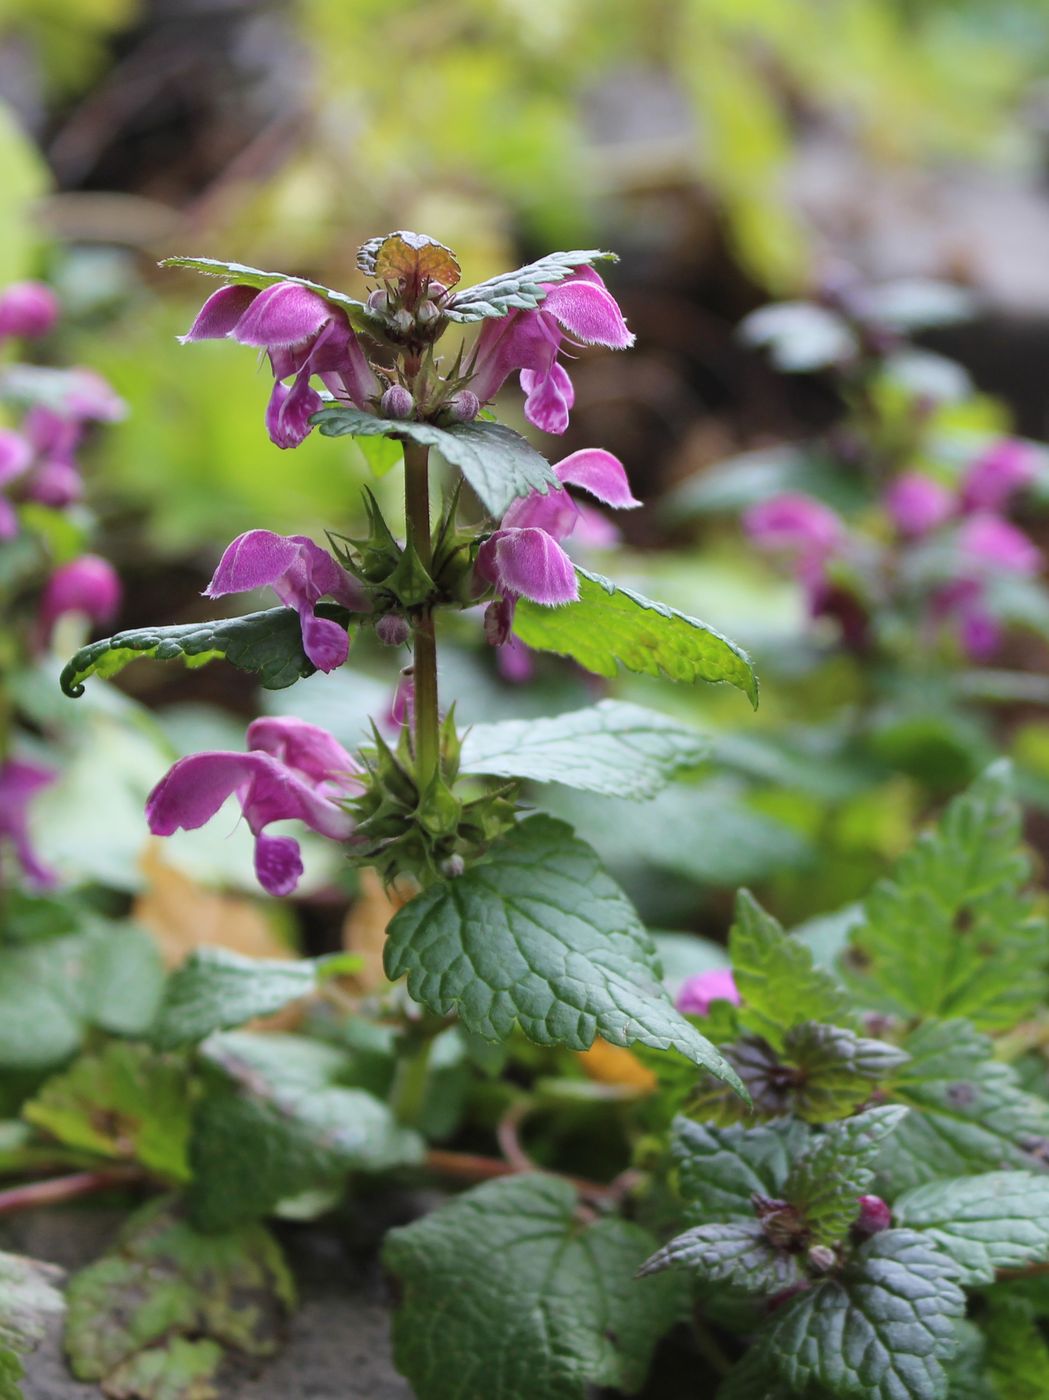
522, 289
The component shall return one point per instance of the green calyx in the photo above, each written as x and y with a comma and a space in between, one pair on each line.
430, 833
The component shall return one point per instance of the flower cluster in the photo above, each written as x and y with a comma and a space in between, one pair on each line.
39, 469
945, 549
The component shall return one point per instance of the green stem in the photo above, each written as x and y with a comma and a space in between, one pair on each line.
417, 520
409, 1085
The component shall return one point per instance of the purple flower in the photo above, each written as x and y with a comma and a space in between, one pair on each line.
796, 524
300, 573
88, 585
293, 771
580, 309
988, 544
27, 309
15, 456
697, 992
19, 783
524, 559
304, 335
995, 477
917, 504
874, 1216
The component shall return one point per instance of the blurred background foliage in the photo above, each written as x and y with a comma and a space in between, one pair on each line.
732, 151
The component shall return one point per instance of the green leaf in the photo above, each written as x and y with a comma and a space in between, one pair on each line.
611, 626
611, 747
268, 643
720, 1169
498, 463
361, 317
52, 990
969, 1113
124, 1103
1017, 1355
538, 935
879, 1332
182, 1370
778, 983
506, 1295
216, 988
275, 1123
835, 1070
752, 1378
382, 454
162, 1281
998, 1220
522, 289
982, 952
735, 1254
29, 1298
403, 256
838, 1167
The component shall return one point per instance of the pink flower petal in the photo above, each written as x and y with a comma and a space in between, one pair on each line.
589, 313
219, 315
533, 565
278, 864
556, 513
697, 992
256, 559
284, 315
549, 398
917, 503
15, 455
289, 411
600, 473
307, 748
990, 542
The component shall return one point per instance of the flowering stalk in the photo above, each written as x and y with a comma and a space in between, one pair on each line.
417, 522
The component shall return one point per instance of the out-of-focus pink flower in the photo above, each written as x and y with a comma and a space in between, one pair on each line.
697, 992
20, 782
300, 573
917, 504
581, 309
797, 525
27, 310
88, 585
293, 770
15, 456
995, 477
988, 543
523, 558
874, 1216
303, 335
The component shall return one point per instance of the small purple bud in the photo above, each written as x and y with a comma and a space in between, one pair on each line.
403, 322
874, 1216
88, 585
453, 867
392, 630
464, 406
378, 300
27, 309
822, 1258
397, 402
426, 314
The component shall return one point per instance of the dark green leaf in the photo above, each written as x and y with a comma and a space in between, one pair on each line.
879, 1332
837, 1168
612, 747
216, 988
1017, 1356
612, 626
777, 981
498, 463
736, 1254
982, 952
969, 1114
361, 317
539, 936
506, 1295
998, 1220
124, 1103
268, 643
521, 289
162, 1281
720, 1169
275, 1123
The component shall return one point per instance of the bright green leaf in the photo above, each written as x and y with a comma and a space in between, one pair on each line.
836, 1169
181, 1370
998, 1220
538, 935
506, 1295
611, 747
611, 626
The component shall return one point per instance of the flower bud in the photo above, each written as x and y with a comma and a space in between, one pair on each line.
27, 309
822, 1258
453, 867
874, 1216
392, 630
379, 300
425, 314
403, 322
464, 406
397, 402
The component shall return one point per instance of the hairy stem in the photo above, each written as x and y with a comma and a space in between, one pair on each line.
417, 520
